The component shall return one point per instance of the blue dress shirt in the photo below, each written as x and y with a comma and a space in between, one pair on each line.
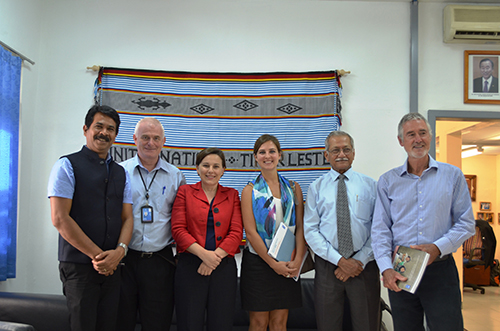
153, 237
412, 210
320, 215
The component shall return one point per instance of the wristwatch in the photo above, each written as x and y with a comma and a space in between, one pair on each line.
124, 247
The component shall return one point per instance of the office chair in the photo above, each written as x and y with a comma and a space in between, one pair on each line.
479, 253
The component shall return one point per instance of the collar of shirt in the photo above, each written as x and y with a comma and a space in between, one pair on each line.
404, 169
488, 80
335, 174
159, 165
109, 158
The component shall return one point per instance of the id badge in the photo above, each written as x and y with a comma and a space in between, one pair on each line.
147, 214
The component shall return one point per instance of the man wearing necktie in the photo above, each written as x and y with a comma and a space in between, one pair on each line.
487, 83
337, 223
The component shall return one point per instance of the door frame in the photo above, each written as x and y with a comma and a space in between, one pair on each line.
459, 115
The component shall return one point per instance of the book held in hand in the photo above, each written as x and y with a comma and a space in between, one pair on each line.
282, 247
283, 244
410, 263
302, 265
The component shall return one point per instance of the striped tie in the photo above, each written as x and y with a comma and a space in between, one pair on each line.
343, 220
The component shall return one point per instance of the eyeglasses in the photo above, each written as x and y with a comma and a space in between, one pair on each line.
337, 151
147, 138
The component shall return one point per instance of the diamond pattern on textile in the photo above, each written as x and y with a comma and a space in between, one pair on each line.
289, 108
245, 105
202, 109
344, 235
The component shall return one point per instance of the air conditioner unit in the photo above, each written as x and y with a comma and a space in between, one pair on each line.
471, 24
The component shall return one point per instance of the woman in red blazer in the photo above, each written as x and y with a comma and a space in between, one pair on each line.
207, 227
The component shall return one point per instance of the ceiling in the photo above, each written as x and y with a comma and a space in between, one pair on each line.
484, 134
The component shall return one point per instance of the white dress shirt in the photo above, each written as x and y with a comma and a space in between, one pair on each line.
320, 215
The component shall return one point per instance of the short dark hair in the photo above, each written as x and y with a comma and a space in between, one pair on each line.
208, 151
484, 60
106, 111
264, 139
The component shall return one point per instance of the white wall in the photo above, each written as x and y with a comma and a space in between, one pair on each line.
441, 66
64, 37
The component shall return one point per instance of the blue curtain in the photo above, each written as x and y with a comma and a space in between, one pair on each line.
10, 83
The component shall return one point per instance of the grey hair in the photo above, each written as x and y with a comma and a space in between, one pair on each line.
337, 134
151, 120
412, 117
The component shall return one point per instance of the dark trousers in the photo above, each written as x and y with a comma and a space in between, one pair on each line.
196, 294
148, 288
362, 294
438, 296
92, 298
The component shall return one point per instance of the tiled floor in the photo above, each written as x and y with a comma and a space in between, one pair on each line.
482, 311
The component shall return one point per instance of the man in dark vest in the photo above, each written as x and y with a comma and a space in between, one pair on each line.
91, 207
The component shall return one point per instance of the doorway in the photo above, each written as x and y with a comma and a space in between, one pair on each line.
471, 141
477, 132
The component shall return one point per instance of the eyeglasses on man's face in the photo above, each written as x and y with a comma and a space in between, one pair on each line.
336, 151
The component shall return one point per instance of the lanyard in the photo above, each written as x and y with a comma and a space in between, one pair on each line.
144, 183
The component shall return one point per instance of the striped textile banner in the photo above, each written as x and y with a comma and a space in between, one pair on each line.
229, 111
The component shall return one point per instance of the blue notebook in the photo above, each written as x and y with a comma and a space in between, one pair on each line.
282, 247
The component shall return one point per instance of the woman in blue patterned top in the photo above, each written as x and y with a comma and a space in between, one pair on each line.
268, 289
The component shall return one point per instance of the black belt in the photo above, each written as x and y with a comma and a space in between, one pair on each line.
148, 255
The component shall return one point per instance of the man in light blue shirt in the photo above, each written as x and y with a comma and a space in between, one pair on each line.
91, 207
148, 273
355, 277
425, 205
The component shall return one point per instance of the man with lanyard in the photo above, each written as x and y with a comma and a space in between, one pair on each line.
148, 273
337, 222
91, 207
425, 205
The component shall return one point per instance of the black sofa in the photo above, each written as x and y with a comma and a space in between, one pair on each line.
48, 312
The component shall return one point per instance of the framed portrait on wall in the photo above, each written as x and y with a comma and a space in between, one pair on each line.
485, 206
481, 77
471, 184
485, 216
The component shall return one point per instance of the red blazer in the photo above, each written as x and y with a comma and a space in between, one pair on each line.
190, 214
